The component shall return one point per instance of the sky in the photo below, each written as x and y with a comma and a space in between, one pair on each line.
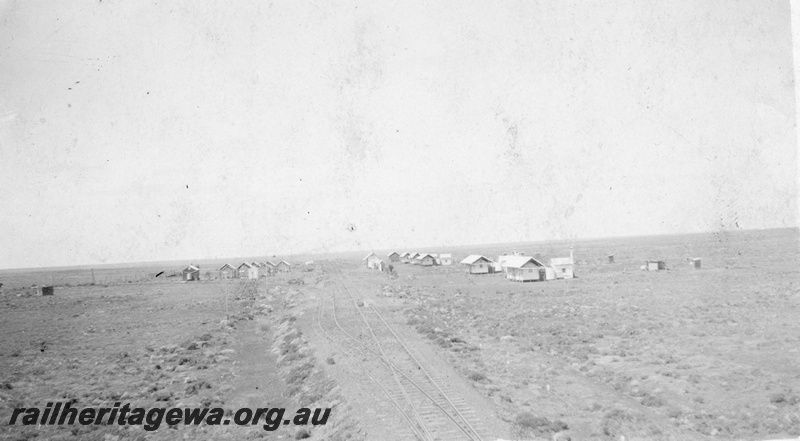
165, 130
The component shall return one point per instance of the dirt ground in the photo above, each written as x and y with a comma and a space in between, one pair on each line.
677, 354
151, 345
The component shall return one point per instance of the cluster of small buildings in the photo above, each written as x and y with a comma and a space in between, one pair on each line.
426, 259
658, 265
247, 270
521, 268
516, 266
373, 261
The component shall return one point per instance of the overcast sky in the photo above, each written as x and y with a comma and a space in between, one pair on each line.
136, 131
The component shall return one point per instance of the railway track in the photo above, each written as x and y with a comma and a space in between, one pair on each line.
430, 410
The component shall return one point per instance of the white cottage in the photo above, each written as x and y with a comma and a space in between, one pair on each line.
525, 269
371, 261
564, 266
477, 264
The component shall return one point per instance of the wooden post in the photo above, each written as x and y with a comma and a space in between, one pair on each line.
93, 276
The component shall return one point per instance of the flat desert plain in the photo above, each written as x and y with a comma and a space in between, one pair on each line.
684, 353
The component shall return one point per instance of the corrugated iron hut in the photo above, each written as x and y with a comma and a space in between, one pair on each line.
191, 273
394, 256
261, 269
655, 265
371, 260
695, 262
283, 267
610, 258
477, 264
525, 269
446, 259
227, 271
244, 270
43, 290
426, 259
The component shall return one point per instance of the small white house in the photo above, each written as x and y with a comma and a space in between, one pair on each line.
477, 264
446, 259
655, 265
394, 256
564, 267
371, 261
525, 269
500, 263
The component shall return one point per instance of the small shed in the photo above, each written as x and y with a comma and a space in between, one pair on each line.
46, 290
655, 265
191, 273
610, 258
283, 267
426, 259
381, 266
371, 261
446, 259
247, 271
477, 264
265, 269
412, 258
394, 256
695, 262
525, 269
404, 257
227, 271
564, 267
270, 267
260, 267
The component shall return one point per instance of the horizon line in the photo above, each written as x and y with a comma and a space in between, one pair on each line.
318, 253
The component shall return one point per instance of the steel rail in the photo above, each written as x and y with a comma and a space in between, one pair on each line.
364, 368
384, 357
471, 433
427, 375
